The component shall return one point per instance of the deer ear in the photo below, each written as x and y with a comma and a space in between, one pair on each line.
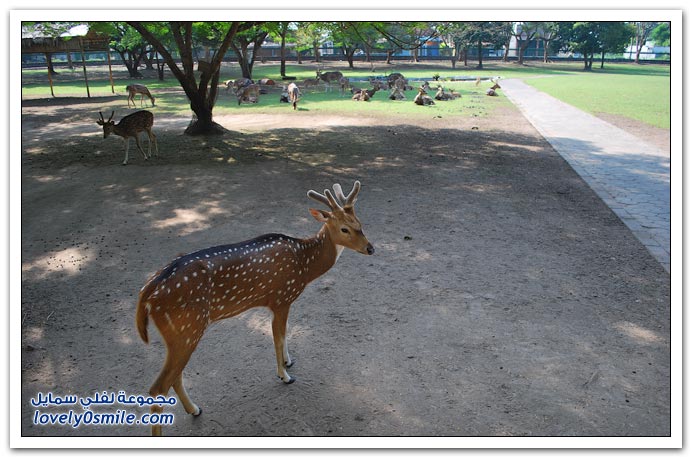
320, 215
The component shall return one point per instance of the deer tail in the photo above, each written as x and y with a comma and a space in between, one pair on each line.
142, 316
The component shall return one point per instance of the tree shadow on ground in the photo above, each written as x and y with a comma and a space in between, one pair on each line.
500, 286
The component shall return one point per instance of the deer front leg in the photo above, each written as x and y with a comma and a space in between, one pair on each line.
127, 149
283, 360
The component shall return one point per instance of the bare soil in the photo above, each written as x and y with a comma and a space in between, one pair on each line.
504, 297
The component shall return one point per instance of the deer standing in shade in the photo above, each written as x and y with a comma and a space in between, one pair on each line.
130, 127
213, 284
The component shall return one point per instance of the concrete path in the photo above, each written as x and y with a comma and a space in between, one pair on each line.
631, 176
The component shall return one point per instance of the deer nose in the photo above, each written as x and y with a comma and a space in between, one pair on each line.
370, 249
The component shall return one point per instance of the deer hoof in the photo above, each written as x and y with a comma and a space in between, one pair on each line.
289, 364
199, 412
289, 381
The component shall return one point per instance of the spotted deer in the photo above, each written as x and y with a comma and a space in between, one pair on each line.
422, 98
133, 90
328, 78
195, 290
130, 127
293, 94
249, 93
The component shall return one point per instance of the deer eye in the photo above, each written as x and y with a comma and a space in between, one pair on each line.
344, 230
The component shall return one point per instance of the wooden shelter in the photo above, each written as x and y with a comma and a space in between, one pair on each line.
71, 43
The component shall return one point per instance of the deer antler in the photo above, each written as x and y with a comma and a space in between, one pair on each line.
338, 202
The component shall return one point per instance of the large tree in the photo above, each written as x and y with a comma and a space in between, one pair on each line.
201, 92
241, 42
129, 44
525, 32
642, 32
614, 37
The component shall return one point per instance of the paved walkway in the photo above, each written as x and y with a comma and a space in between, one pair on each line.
631, 176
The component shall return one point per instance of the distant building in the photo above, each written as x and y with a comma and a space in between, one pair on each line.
649, 52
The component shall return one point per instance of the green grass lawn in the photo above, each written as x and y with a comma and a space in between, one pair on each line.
635, 92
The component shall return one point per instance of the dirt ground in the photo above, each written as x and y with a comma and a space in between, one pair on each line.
504, 297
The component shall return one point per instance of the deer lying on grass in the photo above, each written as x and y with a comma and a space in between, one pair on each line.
248, 94
491, 92
328, 78
442, 95
397, 94
133, 90
422, 98
195, 290
130, 127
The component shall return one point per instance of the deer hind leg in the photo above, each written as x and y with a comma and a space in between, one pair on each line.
190, 407
283, 359
139, 146
152, 137
171, 375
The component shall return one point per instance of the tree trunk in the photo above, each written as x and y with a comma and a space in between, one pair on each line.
70, 65
201, 94
316, 50
349, 56
545, 51
602, 58
480, 54
49, 63
282, 69
389, 56
242, 60
505, 56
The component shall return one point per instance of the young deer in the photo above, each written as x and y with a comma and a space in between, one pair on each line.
216, 283
133, 90
130, 127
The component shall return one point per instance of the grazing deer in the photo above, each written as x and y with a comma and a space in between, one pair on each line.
198, 289
133, 90
130, 127
328, 78
293, 95
248, 93
238, 84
